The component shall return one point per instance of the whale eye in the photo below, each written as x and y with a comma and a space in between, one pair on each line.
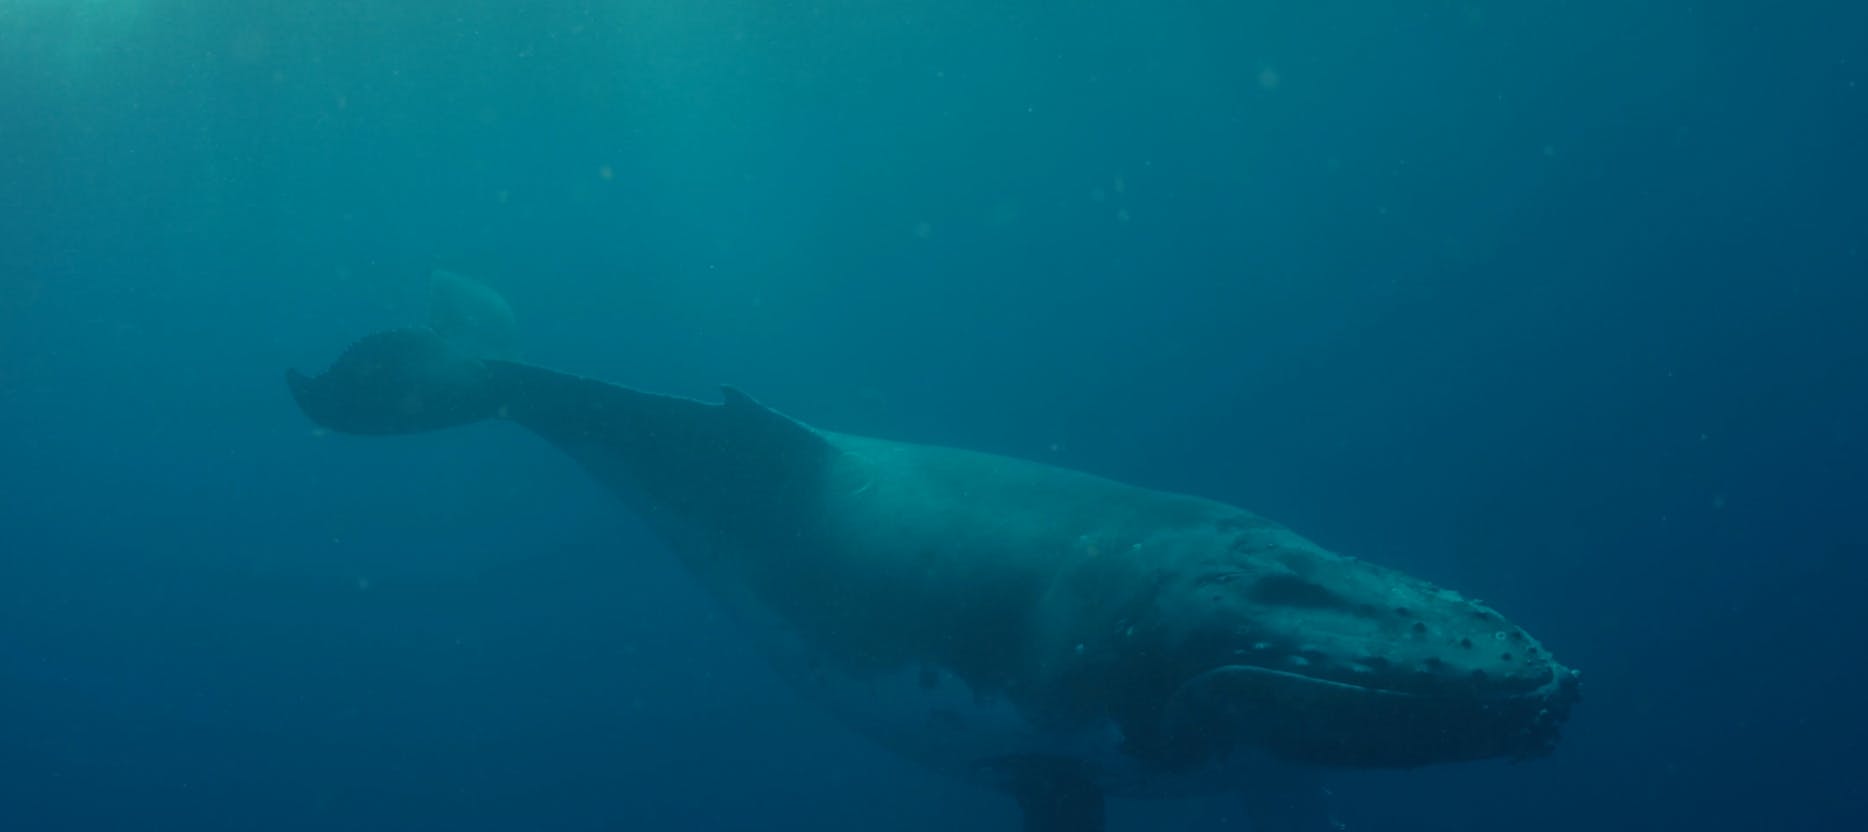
1221, 577
1292, 591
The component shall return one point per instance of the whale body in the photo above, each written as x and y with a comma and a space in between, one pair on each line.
1050, 633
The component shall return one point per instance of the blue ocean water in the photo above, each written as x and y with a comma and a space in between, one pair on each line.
1559, 304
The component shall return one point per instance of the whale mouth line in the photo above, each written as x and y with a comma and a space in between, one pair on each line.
1300, 677
1330, 721
1208, 690
1543, 691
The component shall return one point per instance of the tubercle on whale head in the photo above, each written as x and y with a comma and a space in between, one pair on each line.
1263, 639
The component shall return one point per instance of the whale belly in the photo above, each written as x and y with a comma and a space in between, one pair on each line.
931, 715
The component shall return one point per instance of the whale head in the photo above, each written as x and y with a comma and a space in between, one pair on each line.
1262, 640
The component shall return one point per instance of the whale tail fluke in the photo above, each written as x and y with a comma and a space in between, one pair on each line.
413, 380
400, 381
472, 316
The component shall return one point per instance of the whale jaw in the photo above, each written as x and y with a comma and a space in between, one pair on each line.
1308, 719
1269, 643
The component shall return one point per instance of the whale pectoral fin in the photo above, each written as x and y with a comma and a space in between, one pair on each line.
1058, 799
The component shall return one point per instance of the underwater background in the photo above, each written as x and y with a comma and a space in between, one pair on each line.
1559, 304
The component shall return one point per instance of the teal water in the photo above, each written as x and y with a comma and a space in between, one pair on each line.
1561, 304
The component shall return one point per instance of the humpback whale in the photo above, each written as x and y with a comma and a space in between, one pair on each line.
1053, 634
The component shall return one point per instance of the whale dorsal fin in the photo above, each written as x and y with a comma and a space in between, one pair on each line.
780, 434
